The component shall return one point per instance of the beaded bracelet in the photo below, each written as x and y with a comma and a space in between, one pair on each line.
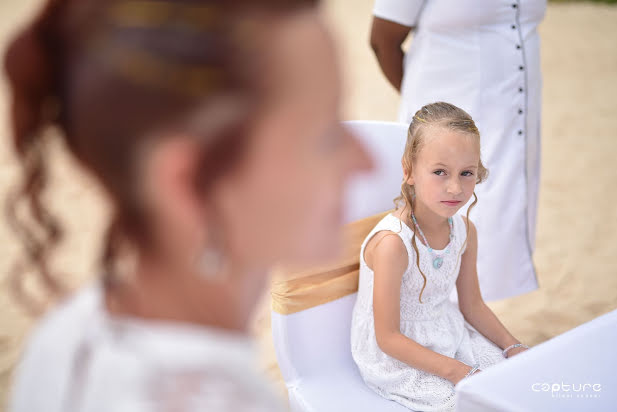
516, 345
472, 370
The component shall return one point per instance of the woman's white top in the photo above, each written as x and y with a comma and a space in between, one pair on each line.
436, 324
484, 57
82, 359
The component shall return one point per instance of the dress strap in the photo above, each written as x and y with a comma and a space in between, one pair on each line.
460, 228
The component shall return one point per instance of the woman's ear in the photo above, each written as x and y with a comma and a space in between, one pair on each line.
169, 179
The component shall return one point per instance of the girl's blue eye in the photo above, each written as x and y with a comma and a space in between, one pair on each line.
467, 173
437, 172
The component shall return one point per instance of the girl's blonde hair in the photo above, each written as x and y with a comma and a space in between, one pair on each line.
444, 115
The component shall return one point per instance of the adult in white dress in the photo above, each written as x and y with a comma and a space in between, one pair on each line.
483, 56
211, 169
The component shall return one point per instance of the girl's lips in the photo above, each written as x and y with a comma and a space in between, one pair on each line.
451, 202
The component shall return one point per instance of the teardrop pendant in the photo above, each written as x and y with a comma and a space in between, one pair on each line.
437, 260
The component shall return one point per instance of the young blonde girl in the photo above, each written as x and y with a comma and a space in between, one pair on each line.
410, 342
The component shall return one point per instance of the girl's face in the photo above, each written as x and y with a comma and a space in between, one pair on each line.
283, 202
444, 173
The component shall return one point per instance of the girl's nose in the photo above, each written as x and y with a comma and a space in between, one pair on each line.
454, 186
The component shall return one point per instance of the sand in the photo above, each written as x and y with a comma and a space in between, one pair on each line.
576, 246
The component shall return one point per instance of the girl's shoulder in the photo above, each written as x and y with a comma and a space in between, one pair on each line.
388, 240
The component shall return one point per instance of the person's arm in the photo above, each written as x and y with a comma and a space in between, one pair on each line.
389, 264
386, 40
471, 304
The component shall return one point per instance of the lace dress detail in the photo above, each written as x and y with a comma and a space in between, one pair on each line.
437, 324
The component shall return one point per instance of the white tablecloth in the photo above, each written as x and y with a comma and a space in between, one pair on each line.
575, 371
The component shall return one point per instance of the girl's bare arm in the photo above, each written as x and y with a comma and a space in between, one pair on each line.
389, 261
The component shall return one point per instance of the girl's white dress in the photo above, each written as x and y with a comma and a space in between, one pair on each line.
82, 359
484, 57
437, 324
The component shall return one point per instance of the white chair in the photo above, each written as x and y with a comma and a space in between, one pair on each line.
373, 193
313, 346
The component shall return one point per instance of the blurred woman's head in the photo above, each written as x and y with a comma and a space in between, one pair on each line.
212, 125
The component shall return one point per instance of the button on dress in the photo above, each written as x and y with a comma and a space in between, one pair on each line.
437, 324
484, 57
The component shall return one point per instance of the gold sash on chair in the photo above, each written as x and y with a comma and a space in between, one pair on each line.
294, 290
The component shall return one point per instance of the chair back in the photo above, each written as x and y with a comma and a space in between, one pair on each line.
309, 341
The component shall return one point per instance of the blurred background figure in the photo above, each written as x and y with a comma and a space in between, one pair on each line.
485, 58
213, 129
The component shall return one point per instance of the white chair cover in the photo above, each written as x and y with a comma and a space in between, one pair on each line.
313, 346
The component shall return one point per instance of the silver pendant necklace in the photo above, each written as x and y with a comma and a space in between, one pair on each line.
437, 259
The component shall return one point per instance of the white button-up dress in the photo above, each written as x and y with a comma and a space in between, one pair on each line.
484, 56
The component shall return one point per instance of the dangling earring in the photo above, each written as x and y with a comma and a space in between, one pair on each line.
211, 259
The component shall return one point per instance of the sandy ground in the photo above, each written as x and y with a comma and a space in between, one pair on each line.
576, 254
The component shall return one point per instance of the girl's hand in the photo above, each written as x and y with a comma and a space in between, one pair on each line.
460, 372
515, 351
